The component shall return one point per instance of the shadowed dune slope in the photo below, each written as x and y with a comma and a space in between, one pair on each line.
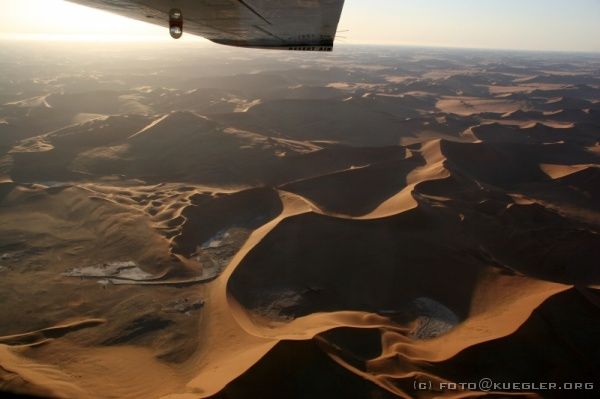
186, 223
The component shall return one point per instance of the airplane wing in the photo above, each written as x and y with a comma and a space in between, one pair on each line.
306, 25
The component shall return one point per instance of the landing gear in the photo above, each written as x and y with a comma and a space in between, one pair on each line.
176, 23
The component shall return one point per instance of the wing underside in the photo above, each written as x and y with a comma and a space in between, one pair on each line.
278, 24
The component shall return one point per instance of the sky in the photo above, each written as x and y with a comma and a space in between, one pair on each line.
546, 25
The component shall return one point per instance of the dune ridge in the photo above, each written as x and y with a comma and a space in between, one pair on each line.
354, 225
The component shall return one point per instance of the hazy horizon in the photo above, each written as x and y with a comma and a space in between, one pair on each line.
507, 25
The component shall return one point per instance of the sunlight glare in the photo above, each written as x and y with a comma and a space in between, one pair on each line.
64, 21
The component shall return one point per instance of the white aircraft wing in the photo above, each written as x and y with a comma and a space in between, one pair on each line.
308, 25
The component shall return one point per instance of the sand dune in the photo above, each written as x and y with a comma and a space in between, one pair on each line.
38, 337
560, 103
356, 190
534, 133
314, 120
228, 226
560, 171
466, 106
510, 351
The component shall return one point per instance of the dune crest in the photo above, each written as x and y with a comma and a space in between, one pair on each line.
560, 171
184, 223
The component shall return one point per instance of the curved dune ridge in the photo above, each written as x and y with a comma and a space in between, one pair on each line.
560, 171
254, 310
446, 208
352, 227
265, 329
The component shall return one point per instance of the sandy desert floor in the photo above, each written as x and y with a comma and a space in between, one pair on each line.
372, 223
